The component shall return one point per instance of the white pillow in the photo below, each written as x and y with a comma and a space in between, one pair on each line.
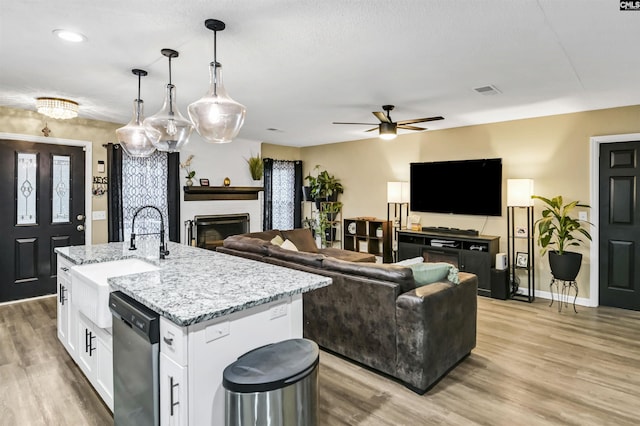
288, 245
412, 261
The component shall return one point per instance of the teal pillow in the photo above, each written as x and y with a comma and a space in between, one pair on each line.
427, 273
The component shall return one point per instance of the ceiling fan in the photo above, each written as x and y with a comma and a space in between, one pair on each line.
388, 128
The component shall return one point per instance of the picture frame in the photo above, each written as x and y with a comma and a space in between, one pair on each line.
521, 232
204, 182
522, 260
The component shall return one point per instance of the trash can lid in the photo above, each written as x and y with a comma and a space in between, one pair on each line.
272, 366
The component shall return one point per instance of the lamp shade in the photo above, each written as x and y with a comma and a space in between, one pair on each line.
133, 137
388, 131
397, 192
519, 192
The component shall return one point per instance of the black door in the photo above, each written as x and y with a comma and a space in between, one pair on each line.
619, 225
41, 208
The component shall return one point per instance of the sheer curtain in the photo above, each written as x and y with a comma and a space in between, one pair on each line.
136, 182
282, 194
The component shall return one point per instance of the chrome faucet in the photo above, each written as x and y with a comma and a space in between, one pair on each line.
163, 248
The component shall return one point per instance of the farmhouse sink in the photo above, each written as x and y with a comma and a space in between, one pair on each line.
90, 290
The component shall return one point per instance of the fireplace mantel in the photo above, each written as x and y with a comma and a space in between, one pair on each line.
200, 193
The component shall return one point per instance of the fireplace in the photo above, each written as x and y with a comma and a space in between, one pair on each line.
208, 231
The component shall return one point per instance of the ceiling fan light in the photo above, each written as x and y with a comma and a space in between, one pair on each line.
388, 131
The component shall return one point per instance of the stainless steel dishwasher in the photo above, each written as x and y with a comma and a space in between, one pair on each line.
136, 336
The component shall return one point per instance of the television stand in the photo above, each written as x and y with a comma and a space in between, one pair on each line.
469, 253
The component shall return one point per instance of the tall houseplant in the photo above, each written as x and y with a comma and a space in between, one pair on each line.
558, 230
325, 187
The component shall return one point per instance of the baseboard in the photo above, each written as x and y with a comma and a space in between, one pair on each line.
581, 301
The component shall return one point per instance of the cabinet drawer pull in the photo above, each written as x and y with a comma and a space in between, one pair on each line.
168, 340
172, 403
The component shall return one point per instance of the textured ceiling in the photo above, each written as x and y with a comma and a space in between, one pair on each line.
299, 65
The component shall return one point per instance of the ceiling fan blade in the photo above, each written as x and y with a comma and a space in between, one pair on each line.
364, 124
371, 130
404, 126
420, 120
382, 117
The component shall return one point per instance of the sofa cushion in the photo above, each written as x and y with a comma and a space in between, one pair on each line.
431, 272
400, 275
302, 238
242, 243
301, 257
288, 245
348, 255
264, 235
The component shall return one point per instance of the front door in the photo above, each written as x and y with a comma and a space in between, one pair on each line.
619, 225
41, 208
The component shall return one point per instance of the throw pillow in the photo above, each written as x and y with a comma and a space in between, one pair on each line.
277, 240
412, 261
288, 245
427, 273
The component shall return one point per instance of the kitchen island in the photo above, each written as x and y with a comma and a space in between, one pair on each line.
213, 308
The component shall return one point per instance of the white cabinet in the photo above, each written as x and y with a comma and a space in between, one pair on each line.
66, 311
192, 359
174, 402
95, 357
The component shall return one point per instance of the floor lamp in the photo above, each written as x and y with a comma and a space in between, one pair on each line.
398, 197
519, 192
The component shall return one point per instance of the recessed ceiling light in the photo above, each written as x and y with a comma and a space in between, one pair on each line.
71, 36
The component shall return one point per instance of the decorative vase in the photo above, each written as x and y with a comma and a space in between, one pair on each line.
379, 232
189, 182
566, 266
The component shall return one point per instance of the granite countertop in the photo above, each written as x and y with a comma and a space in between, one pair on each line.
195, 285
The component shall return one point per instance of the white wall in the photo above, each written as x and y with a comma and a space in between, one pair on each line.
215, 162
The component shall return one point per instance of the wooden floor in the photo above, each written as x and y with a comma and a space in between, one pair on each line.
532, 366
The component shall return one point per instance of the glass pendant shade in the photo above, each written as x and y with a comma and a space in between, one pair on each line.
167, 129
133, 137
216, 116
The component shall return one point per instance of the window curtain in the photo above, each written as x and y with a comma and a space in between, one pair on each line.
114, 193
136, 182
282, 194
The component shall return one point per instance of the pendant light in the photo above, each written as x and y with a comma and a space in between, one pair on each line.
167, 129
216, 116
133, 137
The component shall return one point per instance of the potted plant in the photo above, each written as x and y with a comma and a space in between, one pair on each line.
256, 167
326, 187
331, 209
558, 230
306, 189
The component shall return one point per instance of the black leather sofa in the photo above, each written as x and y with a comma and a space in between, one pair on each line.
374, 314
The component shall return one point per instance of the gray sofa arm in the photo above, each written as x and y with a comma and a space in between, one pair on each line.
436, 329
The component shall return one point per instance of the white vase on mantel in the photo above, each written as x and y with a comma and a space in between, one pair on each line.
189, 182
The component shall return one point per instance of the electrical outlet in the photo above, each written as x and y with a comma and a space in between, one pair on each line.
582, 215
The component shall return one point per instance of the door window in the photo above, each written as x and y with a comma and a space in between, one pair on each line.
60, 199
27, 189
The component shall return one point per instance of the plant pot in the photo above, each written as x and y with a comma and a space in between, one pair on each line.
566, 266
330, 234
331, 216
306, 193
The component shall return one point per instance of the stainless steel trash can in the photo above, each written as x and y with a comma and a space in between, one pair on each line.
274, 385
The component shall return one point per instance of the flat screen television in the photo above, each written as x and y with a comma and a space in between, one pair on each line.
472, 187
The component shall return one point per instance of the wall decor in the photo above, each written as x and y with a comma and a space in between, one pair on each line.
204, 182
522, 260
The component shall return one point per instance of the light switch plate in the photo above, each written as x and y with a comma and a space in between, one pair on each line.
582, 215
99, 215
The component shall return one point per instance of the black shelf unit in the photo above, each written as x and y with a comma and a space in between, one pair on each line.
365, 235
515, 239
